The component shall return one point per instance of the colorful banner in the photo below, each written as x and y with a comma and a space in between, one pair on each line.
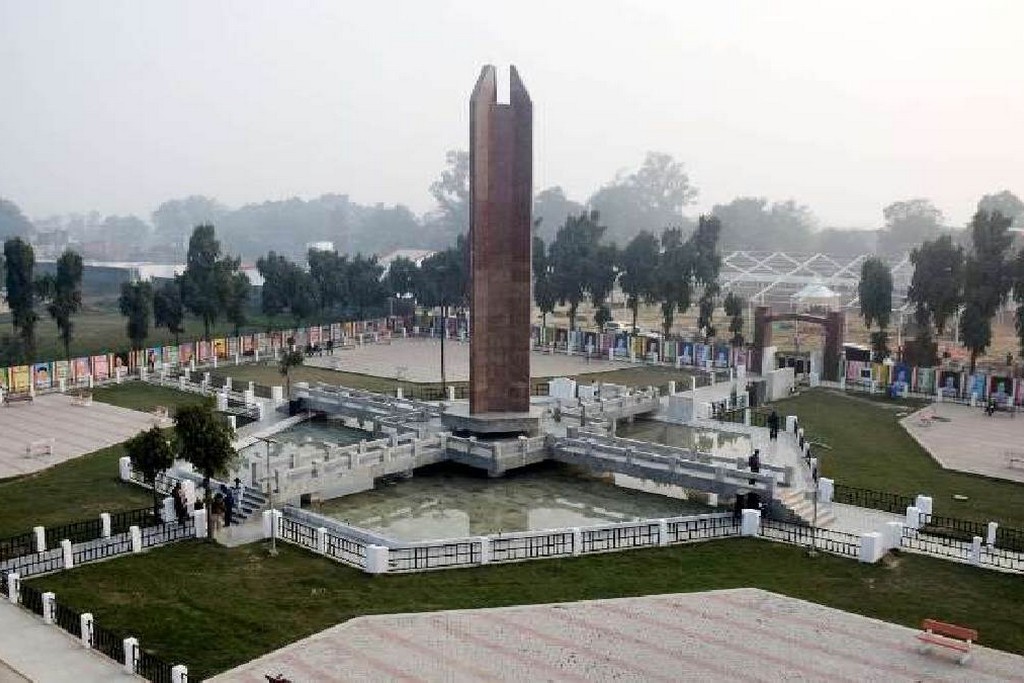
100, 367
220, 348
62, 371
82, 370
185, 353
42, 375
21, 378
234, 347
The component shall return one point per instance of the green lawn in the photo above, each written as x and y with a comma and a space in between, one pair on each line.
867, 448
213, 608
75, 490
145, 397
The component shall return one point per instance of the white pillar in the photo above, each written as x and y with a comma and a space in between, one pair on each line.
13, 587
321, 540
48, 600
750, 524
188, 490
451, 393
924, 504
746, 417
130, 644
399, 394
85, 624
215, 361
976, 550
68, 553
40, 533
577, 541
376, 559
167, 512
199, 518
871, 547
124, 468
693, 383
913, 517
791, 423
179, 673
826, 489
136, 535
895, 530
662, 532
671, 387
105, 525
63, 385
611, 353
182, 380
277, 393
991, 536
485, 549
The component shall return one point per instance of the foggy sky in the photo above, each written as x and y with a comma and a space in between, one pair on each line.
119, 105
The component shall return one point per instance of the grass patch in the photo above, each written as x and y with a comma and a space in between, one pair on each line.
867, 448
213, 608
145, 397
78, 489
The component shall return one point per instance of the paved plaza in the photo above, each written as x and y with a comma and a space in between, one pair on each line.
731, 635
963, 438
27, 429
419, 360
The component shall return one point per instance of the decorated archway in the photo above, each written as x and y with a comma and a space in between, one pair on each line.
832, 322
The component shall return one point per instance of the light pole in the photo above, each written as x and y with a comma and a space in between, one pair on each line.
270, 498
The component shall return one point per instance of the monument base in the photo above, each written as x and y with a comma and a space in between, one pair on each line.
460, 422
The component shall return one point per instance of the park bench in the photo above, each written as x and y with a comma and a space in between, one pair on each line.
18, 398
40, 447
951, 636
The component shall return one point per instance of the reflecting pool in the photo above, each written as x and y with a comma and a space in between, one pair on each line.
448, 501
703, 440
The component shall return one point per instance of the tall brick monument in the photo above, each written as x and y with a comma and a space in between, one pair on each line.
500, 240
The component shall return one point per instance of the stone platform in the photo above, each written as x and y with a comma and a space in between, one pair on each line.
459, 420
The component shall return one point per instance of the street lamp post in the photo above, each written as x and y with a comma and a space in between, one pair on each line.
270, 497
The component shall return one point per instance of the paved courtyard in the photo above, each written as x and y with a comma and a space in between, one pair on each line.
419, 360
74, 429
731, 635
964, 438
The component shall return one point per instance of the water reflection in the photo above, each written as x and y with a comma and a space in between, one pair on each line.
450, 501
703, 440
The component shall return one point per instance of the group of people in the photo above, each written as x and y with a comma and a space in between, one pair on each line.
222, 507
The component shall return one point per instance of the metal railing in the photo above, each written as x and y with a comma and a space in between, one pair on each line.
702, 528
150, 667
35, 563
532, 546
461, 553
67, 618
298, 533
168, 532
826, 540
16, 546
345, 550
896, 503
604, 539
100, 550
31, 598
942, 546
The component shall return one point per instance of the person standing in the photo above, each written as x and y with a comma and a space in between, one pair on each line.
754, 463
180, 508
229, 504
773, 426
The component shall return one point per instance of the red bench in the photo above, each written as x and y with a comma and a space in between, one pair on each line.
954, 637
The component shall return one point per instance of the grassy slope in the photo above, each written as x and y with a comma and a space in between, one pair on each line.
145, 397
869, 449
213, 608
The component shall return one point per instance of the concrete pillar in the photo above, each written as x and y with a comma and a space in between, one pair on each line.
214, 360
179, 673
252, 387
130, 644
124, 468
167, 512
924, 504
974, 399
485, 549
233, 422
67, 553
746, 417
48, 600
227, 384
451, 393
976, 550
712, 498
871, 547
63, 385
277, 394
321, 540
13, 587
85, 624
40, 534
990, 539
222, 401
791, 423
826, 489
611, 353
577, 541
105, 524
136, 534
693, 383
671, 387
182, 381
188, 488
895, 531
199, 520
376, 559
750, 524
913, 518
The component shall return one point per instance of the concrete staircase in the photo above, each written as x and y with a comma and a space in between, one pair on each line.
253, 502
799, 504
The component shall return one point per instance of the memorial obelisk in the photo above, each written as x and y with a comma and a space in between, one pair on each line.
500, 241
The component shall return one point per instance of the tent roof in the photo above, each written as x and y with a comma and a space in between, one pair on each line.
815, 291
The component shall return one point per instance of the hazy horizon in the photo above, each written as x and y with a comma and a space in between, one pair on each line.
118, 106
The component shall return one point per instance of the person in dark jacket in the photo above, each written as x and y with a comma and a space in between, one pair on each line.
229, 504
773, 426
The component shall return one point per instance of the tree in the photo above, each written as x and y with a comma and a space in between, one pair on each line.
236, 304
12, 222
203, 439
135, 303
908, 224
151, 455
363, 285
401, 277
274, 269
64, 292
579, 264
987, 279
168, 311
300, 293
22, 291
1018, 296
649, 199
551, 207
733, 306
707, 264
330, 273
936, 287
1006, 203
753, 224
543, 288
451, 192
206, 282
638, 276
174, 219
673, 285
292, 358
875, 293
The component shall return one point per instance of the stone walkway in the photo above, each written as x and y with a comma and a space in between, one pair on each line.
419, 360
731, 635
75, 430
963, 438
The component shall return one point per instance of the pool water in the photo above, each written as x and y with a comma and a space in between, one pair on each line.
703, 440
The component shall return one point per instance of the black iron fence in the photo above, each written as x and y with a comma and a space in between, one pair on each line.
702, 528
345, 550
107, 642
168, 533
141, 517
512, 548
101, 549
619, 538
298, 533
149, 666
31, 599
67, 619
826, 540
16, 546
896, 503
434, 556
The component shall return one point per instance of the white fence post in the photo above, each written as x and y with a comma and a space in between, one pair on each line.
376, 559
321, 540
826, 489
105, 525
976, 550
577, 541
124, 468
40, 533
130, 644
871, 547
924, 504
485, 549
85, 623
67, 551
914, 517
991, 536
179, 673
48, 598
895, 534
13, 587
750, 524
199, 521
136, 534
662, 532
